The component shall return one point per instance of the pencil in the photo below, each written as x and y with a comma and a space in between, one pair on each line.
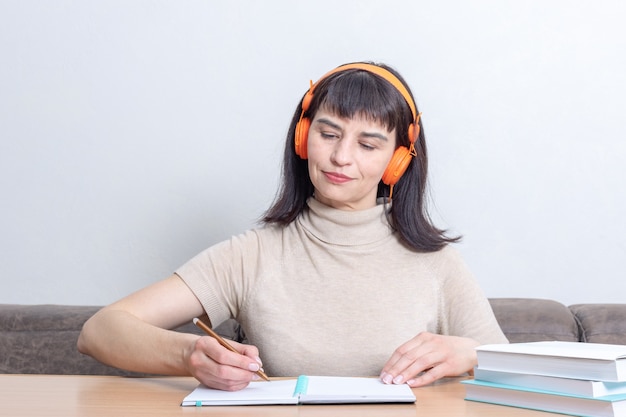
222, 342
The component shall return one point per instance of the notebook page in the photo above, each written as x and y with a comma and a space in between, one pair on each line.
258, 392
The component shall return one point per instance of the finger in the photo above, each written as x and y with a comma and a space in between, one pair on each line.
399, 355
218, 367
427, 377
418, 343
410, 359
413, 366
223, 356
224, 377
249, 351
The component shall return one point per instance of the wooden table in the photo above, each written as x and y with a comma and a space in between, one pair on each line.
86, 396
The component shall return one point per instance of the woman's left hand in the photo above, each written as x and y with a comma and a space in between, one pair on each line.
428, 357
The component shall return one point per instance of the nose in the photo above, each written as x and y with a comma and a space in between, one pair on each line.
342, 153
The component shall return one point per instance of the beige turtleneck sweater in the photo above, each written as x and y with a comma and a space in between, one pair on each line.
336, 292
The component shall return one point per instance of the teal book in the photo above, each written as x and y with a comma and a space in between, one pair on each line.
554, 402
304, 390
582, 387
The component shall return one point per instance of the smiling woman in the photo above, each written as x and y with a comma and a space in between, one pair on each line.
347, 158
334, 248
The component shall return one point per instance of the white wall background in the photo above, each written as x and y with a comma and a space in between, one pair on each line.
134, 134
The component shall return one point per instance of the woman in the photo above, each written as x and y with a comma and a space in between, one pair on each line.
347, 276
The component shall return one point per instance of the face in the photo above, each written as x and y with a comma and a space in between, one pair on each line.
347, 158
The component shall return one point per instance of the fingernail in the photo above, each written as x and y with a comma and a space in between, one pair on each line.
254, 367
387, 379
255, 377
259, 360
398, 379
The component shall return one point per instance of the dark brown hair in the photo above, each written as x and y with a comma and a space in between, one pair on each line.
359, 92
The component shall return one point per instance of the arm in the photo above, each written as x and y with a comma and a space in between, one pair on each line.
131, 334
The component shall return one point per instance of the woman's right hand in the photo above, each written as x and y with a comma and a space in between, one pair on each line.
217, 367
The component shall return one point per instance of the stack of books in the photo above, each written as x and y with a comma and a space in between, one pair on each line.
580, 379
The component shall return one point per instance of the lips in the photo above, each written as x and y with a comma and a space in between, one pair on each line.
337, 178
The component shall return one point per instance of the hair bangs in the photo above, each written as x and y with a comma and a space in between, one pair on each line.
359, 93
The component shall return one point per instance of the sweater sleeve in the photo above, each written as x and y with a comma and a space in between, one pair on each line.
220, 276
465, 306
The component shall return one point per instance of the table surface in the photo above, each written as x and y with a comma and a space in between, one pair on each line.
86, 395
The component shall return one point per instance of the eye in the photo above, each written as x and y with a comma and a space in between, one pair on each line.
328, 135
367, 146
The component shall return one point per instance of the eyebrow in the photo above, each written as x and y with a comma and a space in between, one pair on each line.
334, 125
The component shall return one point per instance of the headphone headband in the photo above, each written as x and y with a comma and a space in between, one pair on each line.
375, 69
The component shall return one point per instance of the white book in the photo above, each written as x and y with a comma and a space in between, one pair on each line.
305, 390
580, 387
591, 361
489, 392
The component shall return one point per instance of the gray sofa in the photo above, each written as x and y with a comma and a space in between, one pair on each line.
41, 339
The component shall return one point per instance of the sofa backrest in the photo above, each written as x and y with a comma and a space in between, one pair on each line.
41, 339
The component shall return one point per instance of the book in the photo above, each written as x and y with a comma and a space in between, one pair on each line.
489, 392
577, 360
305, 390
585, 388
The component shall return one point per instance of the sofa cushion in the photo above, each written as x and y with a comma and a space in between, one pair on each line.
534, 319
601, 323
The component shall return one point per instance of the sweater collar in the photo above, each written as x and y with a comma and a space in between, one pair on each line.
346, 228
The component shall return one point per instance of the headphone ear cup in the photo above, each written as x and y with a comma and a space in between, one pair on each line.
303, 126
301, 137
397, 166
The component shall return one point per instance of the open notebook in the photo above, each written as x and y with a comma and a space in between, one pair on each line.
305, 390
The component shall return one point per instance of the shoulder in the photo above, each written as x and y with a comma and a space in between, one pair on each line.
448, 264
264, 238
447, 257
448, 252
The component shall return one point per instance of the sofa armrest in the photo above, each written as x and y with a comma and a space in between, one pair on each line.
601, 323
534, 319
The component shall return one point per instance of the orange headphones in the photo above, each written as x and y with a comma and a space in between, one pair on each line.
401, 157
